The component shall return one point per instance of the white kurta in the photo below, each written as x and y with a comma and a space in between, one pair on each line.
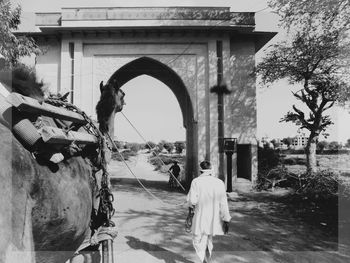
208, 195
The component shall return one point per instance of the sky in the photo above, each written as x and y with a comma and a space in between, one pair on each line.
152, 109
55, 5
159, 117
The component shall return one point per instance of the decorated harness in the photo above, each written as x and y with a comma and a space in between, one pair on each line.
54, 130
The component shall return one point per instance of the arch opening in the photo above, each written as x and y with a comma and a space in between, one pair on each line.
153, 110
153, 68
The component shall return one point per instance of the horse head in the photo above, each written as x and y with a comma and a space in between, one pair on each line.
111, 101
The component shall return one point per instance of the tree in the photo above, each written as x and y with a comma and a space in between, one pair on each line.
169, 146
275, 143
347, 143
119, 145
161, 145
314, 56
322, 145
179, 146
297, 13
150, 145
134, 147
288, 141
334, 145
12, 46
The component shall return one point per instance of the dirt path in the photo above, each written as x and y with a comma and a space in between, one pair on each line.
262, 229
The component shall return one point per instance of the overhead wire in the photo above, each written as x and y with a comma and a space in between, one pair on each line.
174, 177
80, 74
167, 63
192, 42
138, 180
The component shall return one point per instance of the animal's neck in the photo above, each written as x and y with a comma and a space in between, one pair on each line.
111, 125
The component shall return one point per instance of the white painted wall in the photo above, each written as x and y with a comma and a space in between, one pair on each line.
192, 58
48, 64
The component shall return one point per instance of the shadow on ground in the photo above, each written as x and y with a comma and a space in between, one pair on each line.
156, 251
260, 223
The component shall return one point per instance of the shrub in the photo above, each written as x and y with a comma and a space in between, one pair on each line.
169, 146
126, 155
290, 161
320, 185
267, 159
295, 161
150, 145
269, 174
179, 146
134, 147
294, 151
276, 177
158, 161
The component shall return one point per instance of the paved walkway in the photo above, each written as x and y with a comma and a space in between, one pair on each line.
152, 230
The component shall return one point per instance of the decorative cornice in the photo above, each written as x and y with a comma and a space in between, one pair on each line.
71, 15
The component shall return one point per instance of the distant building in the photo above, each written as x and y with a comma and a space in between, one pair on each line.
282, 145
265, 139
300, 141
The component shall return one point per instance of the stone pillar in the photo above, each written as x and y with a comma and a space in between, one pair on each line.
191, 151
241, 119
65, 66
78, 56
201, 108
212, 115
227, 82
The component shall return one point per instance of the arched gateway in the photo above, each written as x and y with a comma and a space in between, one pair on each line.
190, 49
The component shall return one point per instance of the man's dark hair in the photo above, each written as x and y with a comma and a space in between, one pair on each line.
205, 165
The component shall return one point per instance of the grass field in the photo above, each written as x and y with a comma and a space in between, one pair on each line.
338, 163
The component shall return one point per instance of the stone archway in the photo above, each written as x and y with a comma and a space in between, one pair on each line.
154, 68
180, 46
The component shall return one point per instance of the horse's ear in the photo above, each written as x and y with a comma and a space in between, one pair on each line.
101, 86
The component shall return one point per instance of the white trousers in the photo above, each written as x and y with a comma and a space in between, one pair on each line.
201, 243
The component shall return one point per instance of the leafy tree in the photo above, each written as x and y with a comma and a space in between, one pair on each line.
347, 143
288, 141
12, 46
134, 147
161, 145
334, 145
320, 13
322, 145
315, 56
275, 143
150, 145
179, 146
169, 146
119, 144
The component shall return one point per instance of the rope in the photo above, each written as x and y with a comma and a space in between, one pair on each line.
90, 127
156, 154
138, 180
106, 194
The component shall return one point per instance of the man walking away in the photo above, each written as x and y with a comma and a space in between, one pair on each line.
174, 171
208, 206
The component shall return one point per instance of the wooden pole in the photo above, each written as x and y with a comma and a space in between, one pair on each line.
229, 171
107, 251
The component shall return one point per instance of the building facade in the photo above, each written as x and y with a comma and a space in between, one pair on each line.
190, 49
300, 141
